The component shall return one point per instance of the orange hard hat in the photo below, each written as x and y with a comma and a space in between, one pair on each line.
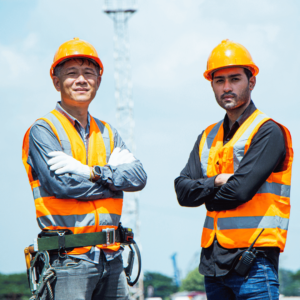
228, 54
75, 48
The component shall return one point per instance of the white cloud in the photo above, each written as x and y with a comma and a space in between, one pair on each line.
13, 65
19, 61
30, 42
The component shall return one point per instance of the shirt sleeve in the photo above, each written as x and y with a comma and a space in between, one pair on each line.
264, 156
191, 188
42, 141
126, 177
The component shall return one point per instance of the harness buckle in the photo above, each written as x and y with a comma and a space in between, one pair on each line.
108, 231
61, 243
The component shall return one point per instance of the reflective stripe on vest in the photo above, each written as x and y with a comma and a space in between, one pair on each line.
78, 216
247, 222
209, 223
269, 208
66, 221
253, 222
278, 189
239, 146
40, 192
207, 145
63, 137
78, 220
107, 137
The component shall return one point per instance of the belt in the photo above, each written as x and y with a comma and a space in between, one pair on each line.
60, 241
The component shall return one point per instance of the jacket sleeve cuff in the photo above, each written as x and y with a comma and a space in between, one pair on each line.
106, 175
209, 185
210, 182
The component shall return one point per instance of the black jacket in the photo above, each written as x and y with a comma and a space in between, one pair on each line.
264, 156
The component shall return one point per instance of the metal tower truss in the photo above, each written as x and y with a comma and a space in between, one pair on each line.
120, 11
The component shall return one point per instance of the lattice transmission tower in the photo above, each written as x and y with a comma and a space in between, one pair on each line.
120, 11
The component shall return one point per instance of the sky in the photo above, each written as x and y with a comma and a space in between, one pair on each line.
170, 42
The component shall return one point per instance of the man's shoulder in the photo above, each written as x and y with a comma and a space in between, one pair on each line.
270, 131
40, 128
42, 121
272, 126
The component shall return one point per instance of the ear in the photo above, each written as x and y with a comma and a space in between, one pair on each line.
99, 78
252, 83
56, 83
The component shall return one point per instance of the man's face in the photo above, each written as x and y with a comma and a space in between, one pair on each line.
232, 88
77, 82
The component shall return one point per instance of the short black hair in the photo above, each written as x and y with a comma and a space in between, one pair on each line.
82, 60
247, 72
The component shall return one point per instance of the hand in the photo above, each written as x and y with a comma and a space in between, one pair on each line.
62, 163
222, 179
119, 157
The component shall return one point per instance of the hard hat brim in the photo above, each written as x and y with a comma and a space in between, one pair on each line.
96, 59
253, 68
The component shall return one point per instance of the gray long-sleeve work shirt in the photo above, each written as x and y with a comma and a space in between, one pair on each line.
127, 177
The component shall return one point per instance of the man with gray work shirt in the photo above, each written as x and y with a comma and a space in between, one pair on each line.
78, 168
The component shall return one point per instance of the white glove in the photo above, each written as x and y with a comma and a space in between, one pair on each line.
62, 163
119, 157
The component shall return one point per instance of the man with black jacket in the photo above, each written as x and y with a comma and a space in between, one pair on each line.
240, 168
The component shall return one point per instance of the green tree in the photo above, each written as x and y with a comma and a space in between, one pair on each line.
162, 284
193, 281
289, 282
14, 286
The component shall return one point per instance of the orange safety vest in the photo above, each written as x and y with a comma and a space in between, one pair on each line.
78, 216
269, 208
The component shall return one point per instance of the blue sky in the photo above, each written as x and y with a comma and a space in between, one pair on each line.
170, 42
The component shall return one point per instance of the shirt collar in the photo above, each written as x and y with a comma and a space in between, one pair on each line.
69, 117
243, 117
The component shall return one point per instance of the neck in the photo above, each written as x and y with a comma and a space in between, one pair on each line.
234, 114
78, 112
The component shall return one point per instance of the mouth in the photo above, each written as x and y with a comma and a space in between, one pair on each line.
227, 97
81, 90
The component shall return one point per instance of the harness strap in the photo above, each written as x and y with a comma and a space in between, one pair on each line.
79, 240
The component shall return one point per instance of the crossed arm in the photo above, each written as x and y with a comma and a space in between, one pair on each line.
114, 179
228, 191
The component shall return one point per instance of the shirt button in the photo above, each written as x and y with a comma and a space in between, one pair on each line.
227, 139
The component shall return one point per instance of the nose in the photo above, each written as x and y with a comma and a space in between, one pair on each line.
80, 79
227, 86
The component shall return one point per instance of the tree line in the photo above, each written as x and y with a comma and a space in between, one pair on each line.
15, 286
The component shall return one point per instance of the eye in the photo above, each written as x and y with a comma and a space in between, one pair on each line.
90, 73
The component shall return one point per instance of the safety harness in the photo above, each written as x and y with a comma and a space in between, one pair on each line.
39, 271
